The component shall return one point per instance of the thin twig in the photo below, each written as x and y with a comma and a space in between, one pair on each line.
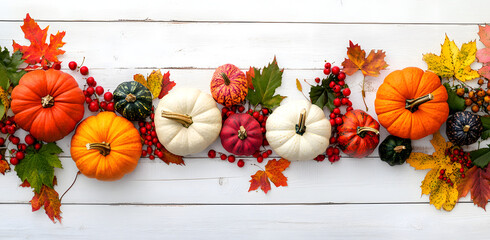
364, 93
78, 173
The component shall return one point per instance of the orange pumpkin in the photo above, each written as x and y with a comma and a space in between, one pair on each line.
412, 103
48, 104
229, 85
106, 146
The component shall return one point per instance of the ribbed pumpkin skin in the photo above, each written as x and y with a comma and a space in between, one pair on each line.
51, 123
455, 128
124, 140
140, 108
411, 83
388, 153
230, 139
233, 93
353, 144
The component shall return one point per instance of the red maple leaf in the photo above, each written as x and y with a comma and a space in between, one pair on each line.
39, 51
47, 197
477, 181
273, 172
169, 157
4, 166
167, 85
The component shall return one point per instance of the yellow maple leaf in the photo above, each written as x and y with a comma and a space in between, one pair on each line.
453, 62
441, 194
153, 82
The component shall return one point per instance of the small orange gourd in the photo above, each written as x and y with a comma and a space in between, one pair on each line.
106, 146
412, 103
229, 85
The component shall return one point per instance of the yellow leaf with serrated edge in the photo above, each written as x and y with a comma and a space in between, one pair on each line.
298, 85
453, 62
141, 79
155, 83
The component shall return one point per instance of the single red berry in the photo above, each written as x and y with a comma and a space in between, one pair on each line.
19, 155
336, 89
99, 90
341, 76
84, 70
462, 175
155, 140
143, 153
440, 176
233, 108
90, 91
329, 151
110, 107
333, 115
442, 171
143, 130
2, 141
331, 84
93, 106
328, 65
320, 158
225, 110
265, 155
317, 80
346, 92
456, 152
15, 140
326, 71
37, 146
88, 100
91, 81
336, 111
336, 102
344, 101
338, 120
103, 105
160, 154
461, 170
231, 158
333, 140
260, 159
265, 111
212, 153
240, 163
151, 157
250, 111
153, 134
269, 151
57, 66
223, 157
332, 121
241, 109
21, 147
335, 70
349, 109
72, 65
14, 161
261, 118
336, 151
11, 129
229, 113
341, 83
159, 145
256, 115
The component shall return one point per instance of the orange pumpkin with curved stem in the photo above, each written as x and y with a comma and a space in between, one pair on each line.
412, 103
229, 85
106, 146
48, 104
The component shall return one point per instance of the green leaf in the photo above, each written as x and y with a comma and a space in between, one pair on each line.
322, 95
455, 102
37, 167
485, 120
265, 85
480, 157
485, 134
11, 65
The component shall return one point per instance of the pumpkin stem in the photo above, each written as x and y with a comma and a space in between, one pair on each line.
300, 127
103, 147
399, 149
361, 131
47, 101
412, 104
227, 80
183, 119
130, 98
466, 128
242, 133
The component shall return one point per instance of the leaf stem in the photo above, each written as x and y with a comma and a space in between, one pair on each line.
364, 93
78, 173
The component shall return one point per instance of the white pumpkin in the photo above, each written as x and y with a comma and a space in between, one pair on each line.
187, 121
288, 138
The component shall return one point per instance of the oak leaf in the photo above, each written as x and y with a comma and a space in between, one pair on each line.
453, 61
483, 55
169, 157
167, 85
441, 194
39, 52
477, 181
273, 172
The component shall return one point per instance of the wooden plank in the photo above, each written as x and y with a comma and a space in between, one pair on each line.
346, 11
352, 221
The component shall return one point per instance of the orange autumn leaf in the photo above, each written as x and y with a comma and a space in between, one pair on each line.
169, 157
250, 75
4, 166
167, 85
357, 60
441, 194
477, 181
48, 198
39, 51
273, 172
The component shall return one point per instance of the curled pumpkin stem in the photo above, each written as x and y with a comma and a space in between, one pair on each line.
361, 131
412, 104
130, 98
183, 119
242, 133
103, 147
47, 101
399, 149
301, 127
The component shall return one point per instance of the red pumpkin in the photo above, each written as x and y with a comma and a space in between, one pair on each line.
229, 85
241, 134
359, 134
48, 104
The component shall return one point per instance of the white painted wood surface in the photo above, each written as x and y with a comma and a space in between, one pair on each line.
208, 198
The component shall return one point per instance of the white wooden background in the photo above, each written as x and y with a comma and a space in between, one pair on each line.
208, 198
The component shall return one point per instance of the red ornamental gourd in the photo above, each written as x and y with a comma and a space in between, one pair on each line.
48, 104
229, 85
359, 134
241, 134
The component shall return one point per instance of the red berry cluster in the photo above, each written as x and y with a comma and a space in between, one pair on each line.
151, 146
93, 92
231, 158
9, 127
260, 156
456, 154
336, 83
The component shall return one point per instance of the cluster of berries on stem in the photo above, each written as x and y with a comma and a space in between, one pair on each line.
17, 154
152, 148
456, 154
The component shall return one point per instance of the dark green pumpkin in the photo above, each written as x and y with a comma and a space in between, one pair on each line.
464, 128
395, 150
132, 100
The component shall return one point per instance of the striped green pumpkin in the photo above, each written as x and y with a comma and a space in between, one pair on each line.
132, 100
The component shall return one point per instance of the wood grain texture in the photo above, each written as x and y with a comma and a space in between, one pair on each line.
209, 198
